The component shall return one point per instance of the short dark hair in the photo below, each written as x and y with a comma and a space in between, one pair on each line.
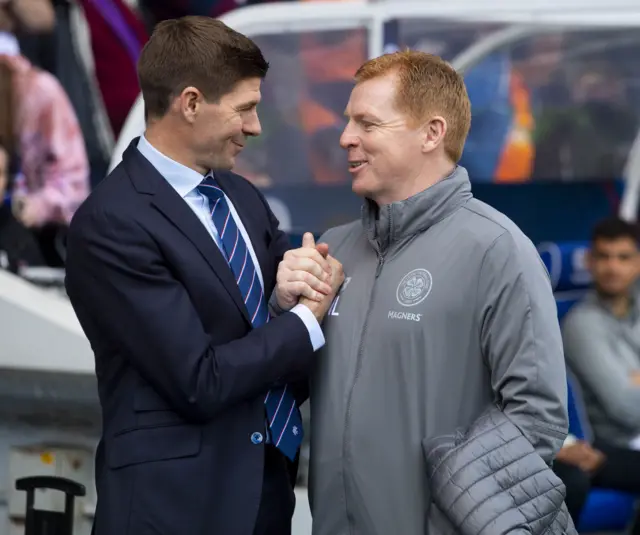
195, 51
614, 228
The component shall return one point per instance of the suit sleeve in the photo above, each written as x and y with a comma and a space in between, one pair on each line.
521, 342
115, 272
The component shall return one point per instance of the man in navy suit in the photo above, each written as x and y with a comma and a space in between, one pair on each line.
170, 268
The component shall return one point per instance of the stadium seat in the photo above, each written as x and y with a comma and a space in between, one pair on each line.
567, 271
565, 263
604, 510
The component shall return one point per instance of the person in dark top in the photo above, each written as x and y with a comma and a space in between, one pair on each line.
590, 137
18, 247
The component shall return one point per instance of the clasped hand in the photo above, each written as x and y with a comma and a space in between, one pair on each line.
310, 275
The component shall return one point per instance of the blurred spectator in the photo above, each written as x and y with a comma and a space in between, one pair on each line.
49, 143
73, 65
602, 334
18, 247
30, 16
27, 26
590, 137
117, 37
602, 347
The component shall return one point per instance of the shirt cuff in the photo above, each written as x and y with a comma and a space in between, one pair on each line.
569, 441
311, 323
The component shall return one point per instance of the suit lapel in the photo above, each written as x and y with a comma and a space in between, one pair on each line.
166, 200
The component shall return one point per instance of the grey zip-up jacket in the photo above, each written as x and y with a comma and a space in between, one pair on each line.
446, 310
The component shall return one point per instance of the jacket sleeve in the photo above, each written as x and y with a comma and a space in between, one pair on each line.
586, 343
116, 274
521, 342
489, 479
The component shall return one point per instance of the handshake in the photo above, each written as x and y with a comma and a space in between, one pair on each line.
309, 276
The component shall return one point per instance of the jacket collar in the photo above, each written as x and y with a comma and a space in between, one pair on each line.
390, 223
180, 177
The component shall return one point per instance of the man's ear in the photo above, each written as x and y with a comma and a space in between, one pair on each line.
189, 102
434, 132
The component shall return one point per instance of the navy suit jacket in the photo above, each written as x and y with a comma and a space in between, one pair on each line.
181, 374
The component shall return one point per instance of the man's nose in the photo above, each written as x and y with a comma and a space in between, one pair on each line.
252, 127
348, 138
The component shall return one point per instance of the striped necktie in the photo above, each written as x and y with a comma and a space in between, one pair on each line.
284, 423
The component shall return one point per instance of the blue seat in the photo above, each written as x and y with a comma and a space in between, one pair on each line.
567, 271
565, 263
604, 510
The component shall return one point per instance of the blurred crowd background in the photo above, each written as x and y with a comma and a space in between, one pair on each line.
554, 107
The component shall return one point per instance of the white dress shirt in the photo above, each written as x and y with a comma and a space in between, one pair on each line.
185, 181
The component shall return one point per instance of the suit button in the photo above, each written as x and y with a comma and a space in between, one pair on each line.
257, 438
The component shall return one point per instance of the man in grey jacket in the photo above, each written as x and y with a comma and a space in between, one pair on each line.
602, 336
439, 400
602, 344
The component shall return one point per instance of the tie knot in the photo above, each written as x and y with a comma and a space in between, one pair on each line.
210, 188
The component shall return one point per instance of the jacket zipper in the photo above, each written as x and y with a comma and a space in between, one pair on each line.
345, 440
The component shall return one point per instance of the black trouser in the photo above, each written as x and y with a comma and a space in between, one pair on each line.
620, 471
577, 484
278, 499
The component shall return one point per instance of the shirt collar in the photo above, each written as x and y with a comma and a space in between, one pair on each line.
180, 177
